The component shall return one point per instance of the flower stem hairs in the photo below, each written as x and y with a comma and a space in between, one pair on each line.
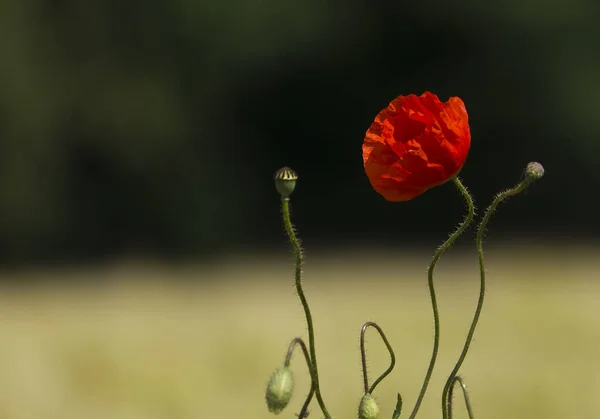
413, 145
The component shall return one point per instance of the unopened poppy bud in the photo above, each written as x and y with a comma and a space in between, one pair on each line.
279, 390
534, 171
368, 408
285, 181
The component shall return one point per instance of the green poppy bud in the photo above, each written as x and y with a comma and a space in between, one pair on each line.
285, 181
534, 171
368, 408
279, 390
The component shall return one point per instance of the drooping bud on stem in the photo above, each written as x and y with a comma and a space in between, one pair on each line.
368, 408
285, 181
279, 390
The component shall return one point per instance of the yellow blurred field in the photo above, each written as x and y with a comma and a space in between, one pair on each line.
205, 347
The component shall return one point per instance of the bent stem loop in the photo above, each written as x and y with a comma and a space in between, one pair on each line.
459, 380
520, 187
436, 317
363, 357
288, 358
289, 228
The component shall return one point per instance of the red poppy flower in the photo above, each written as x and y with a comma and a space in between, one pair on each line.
416, 143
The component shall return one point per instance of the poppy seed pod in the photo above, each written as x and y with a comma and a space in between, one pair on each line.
285, 181
279, 390
416, 143
368, 408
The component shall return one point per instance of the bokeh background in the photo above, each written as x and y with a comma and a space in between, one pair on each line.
145, 271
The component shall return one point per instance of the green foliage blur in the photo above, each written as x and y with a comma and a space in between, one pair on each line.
156, 126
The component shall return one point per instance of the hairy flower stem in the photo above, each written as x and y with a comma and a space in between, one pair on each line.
288, 359
289, 228
458, 380
436, 317
363, 357
520, 187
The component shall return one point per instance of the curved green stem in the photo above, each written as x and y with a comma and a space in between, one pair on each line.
363, 356
298, 341
521, 186
289, 228
436, 317
459, 380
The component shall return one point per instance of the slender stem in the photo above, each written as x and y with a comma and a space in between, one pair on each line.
288, 358
479, 242
436, 317
289, 228
363, 356
459, 380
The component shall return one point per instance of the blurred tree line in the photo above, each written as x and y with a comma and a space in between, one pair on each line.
155, 126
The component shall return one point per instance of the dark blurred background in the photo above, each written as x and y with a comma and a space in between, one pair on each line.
154, 128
